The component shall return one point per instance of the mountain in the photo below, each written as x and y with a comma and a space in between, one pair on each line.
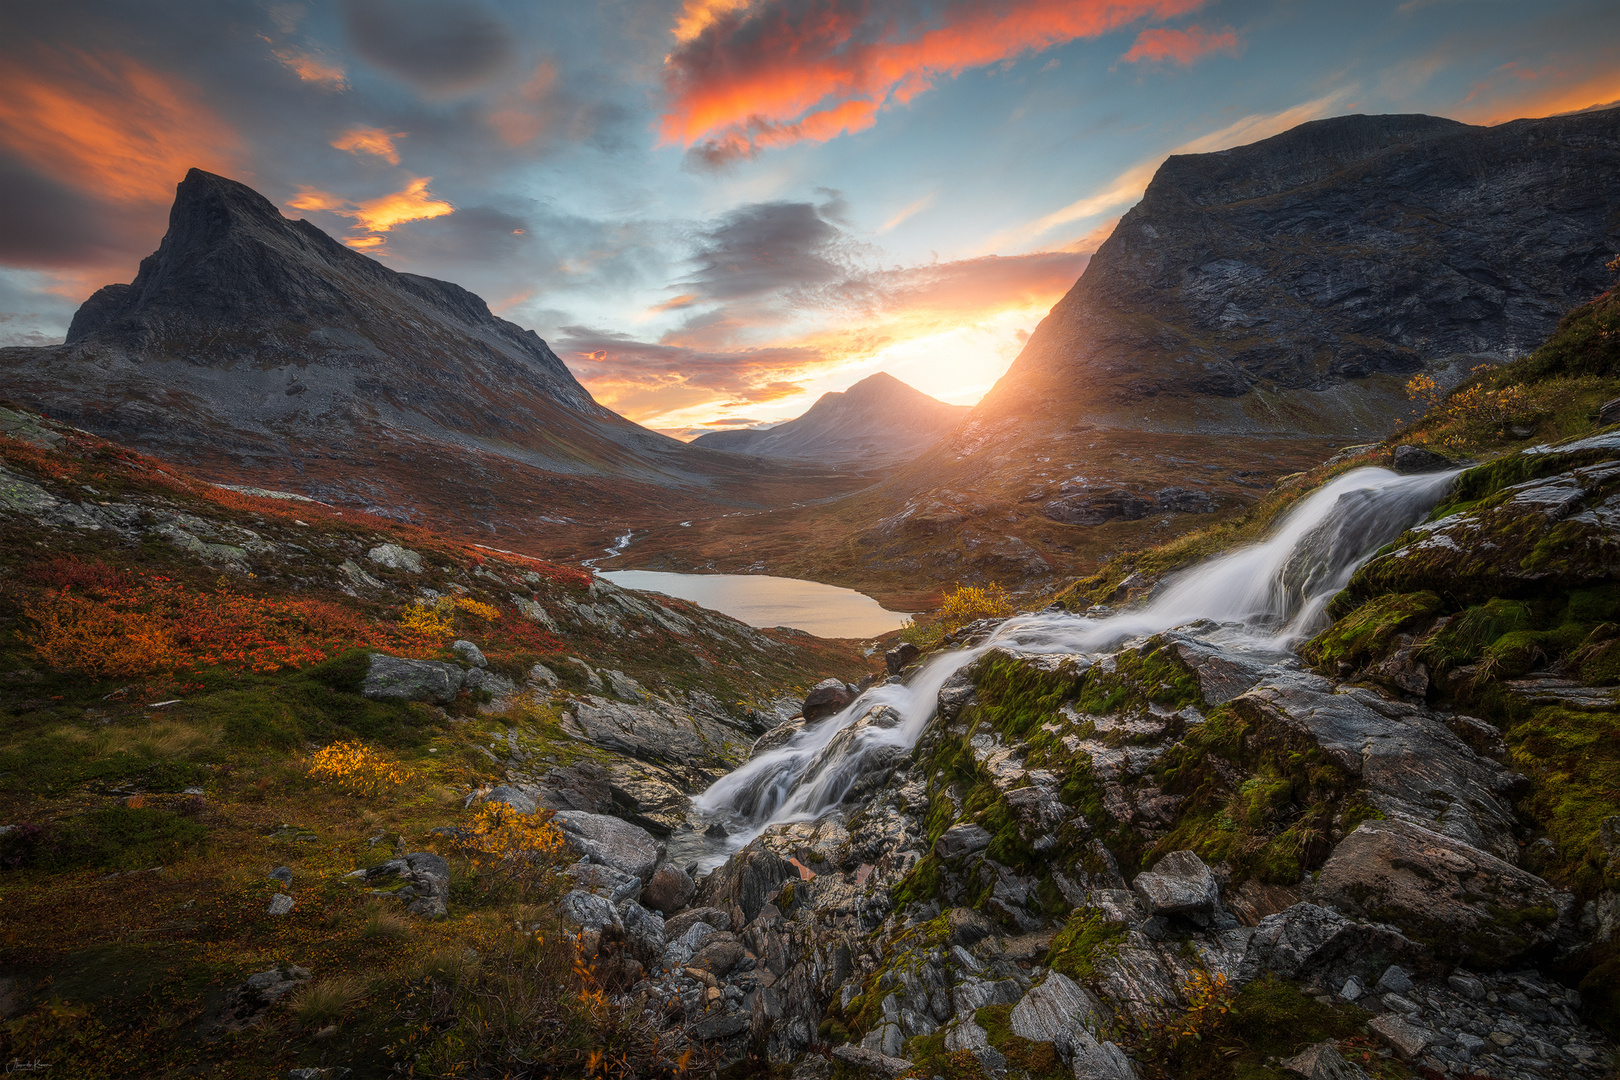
1260, 308
879, 421
249, 344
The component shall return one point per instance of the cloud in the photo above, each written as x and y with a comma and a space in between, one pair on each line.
108, 125
765, 248
781, 71
366, 140
521, 117
312, 67
1179, 46
376, 216
697, 15
676, 303
443, 48
905, 212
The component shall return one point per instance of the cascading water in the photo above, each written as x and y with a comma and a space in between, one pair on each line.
1264, 598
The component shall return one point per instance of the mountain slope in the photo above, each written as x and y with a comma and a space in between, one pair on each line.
250, 342
878, 421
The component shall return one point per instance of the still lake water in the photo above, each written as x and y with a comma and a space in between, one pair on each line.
759, 600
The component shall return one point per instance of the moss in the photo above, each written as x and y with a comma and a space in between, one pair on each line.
1084, 940
1573, 759
1368, 634
1015, 697
1273, 1017
1039, 1060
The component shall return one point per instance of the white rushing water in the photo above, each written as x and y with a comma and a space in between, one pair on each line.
1266, 597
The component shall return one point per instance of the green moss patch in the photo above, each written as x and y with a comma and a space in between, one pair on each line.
1368, 634
1085, 939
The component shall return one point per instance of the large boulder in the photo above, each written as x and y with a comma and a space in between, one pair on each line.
608, 840
606, 881
394, 678
669, 889
1464, 903
1310, 943
1058, 1011
515, 797
587, 910
1409, 460
745, 881
900, 657
1178, 884
827, 697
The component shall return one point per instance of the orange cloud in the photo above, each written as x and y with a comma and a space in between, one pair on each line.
1180, 46
375, 216
1512, 92
109, 126
685, 300
312, 68
374, 141
697, 15
781, 71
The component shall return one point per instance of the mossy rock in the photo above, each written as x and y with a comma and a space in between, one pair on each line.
1367, 635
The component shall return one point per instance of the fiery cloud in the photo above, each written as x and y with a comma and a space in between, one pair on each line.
312, 68
376, 216
373, 141
1179, 46
782, 71
109, 126
697, 15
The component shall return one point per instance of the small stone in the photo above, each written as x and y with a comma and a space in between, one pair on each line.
1467, 986
1501, 1039
282, 874
1471, 1044
1322, 1062
1395, 980
470, 653
280, 904
1400, 1004
1352, 989
1407, 1040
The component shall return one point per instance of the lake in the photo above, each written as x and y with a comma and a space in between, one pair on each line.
759, 600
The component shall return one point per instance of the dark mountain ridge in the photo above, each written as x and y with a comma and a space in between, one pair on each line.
876, 422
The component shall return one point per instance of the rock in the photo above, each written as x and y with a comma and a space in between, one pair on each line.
827, 697
1310, 942
516, 798
393, 678
424, 882
1184, 501
1465, 903
609, 840
539, 673
1467, 986
717, 957
644, 932
677, 925
777, 736
900, 657
605, 881
1101, 1061
957, 691
719, 1026
871, 1061
470, 653
746, 880
1609, 412
1057, 1011
1408, 460
669, 889
959, 840
968, 927
395, 557
813, 1067
1394, 980
282, 874
330, 1072
1609, 835
247, 1003
1322, 1062
623, 686
280, 904
1179, 884
678, 949
1097, 507
1405, 1038
587, 910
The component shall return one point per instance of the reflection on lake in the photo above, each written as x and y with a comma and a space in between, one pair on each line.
758, 600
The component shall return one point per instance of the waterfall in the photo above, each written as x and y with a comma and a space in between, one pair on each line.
1265, 597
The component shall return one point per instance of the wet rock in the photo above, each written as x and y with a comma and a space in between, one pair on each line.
247, 1004
1057, 1011
608, 840
587, 910
1465, 903
960, 840
470, 653
395, 557
827, 697
669, 889
1405, 1038
393, 678
775, 737
605, 881
1178, 884
1408, 460
421, 879
957, 691
1322, 1062
746, 880
515, 797
1221, 676
900, 657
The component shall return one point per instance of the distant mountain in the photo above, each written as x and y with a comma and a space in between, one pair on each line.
249, 343
877, 422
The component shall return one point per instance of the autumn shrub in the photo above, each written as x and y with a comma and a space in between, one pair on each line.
355, 770
512, 853
1209, 1000
962, 605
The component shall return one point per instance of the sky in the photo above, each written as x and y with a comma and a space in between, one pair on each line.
714, 210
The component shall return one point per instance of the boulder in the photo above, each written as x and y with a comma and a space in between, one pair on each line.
280, 904
1179, 884
676, 925
643, 932
717, 957
746, 880
1407, 1039
394, 678
1184, 500
423, 882
1096, 1060
900, 657
775, 737
1465, 903
469, 652
1322, 1062
247, 1004
612, 842
606, 881
395, 557
872, 1061
827, 697
1409, 460
668, 890
959, 840
1095, 508
1058, 1011
1307, 942
587, 910
515, 797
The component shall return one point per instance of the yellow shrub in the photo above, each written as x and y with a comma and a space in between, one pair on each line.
356, 770
1209, 999
429, 620
964, 604
479, 608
